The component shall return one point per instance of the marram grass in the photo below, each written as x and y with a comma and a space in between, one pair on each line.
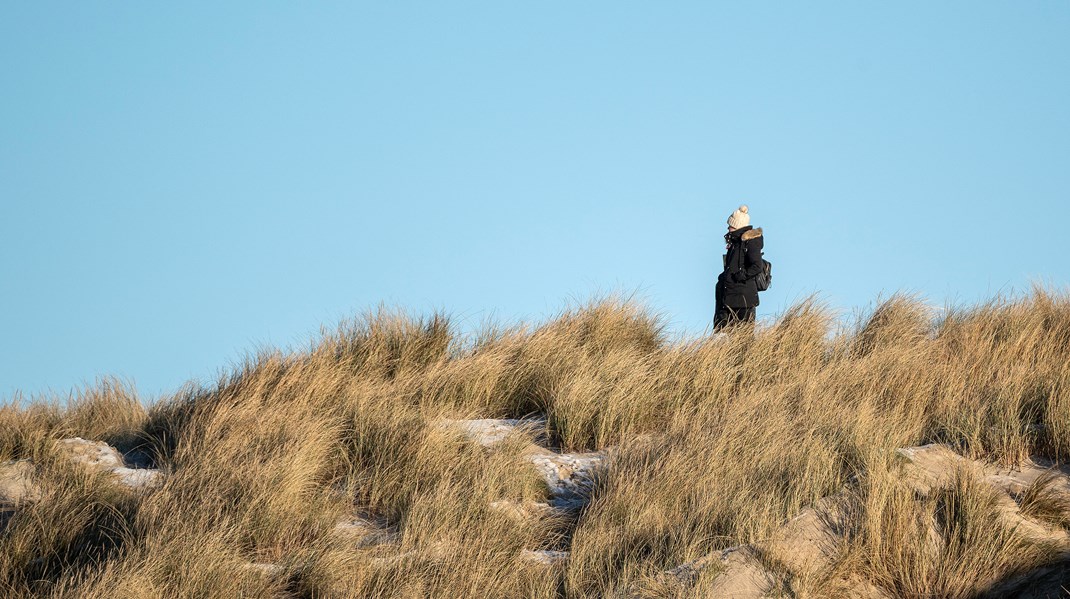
718, 441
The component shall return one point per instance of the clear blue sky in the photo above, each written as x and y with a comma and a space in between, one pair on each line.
182, 183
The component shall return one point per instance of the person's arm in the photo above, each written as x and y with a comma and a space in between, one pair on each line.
752, 260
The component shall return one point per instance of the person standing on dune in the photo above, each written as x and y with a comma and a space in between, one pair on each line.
737, 290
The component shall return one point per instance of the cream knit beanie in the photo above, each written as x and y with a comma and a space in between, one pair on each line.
739, 218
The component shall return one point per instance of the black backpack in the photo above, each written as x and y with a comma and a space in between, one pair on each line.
765, 278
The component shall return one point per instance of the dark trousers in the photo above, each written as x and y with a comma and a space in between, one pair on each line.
727, 316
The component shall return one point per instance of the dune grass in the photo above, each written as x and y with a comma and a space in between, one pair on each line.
717, 441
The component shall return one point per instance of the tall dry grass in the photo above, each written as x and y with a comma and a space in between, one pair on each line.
718, 440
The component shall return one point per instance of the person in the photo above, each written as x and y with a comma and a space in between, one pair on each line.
737, 292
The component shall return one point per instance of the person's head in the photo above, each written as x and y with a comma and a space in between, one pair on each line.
739, 219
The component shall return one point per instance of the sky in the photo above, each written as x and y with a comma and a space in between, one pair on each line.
182, 184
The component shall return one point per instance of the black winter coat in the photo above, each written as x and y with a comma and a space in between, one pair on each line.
742, 262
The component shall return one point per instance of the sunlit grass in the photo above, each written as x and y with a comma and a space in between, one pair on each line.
717, 441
